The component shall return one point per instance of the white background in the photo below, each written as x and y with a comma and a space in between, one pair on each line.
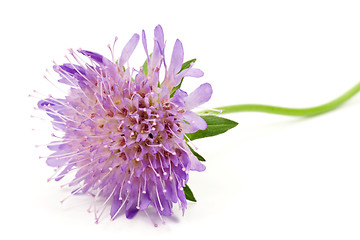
272, 177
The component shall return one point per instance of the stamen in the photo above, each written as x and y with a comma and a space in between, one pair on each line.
73, 181
76, 68
63, 138
158, 197
73, 193
57, 170
61, 90
91, 67
112, 102
122, 205
70, 154
99, 181
173, 153
162, 167
76, 83
181, 147
122, 184
189, 141
32, 116
174, 134
138, 200
153, 222
135, 93
37, 92
152, 167
51, 144
95, 199
178, 181
69, 106
70, 170
144, 188
161, 218
65, 75
170, 178
77, 58
60, 115
104, 204
100, 103
112, 50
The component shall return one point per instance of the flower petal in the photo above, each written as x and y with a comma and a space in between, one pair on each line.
179, 97
177, 59
199, 96
182, 198
195, 164
56, 162
116, 204
195, 121
93, 55
72, 68
171, 191
131, 211
100, 59
159, 46
144, 42
159, 36
129, 49
190, 72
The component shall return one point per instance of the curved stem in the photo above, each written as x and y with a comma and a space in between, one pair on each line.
306, 112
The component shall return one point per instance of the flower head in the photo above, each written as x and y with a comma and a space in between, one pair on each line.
123, 129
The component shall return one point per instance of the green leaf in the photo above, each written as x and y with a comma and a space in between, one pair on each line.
187, 64
215, 126
184, 66
188, 194
145, 67
196, 154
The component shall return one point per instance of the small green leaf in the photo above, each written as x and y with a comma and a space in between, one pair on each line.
184, 66
201, 158
145, 68
215, 126
187, 64
188, 194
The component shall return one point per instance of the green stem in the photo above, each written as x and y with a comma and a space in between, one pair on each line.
305, 112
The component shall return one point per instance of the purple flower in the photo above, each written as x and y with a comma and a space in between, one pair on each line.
123, 130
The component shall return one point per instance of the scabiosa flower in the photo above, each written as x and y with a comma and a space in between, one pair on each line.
123, 129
